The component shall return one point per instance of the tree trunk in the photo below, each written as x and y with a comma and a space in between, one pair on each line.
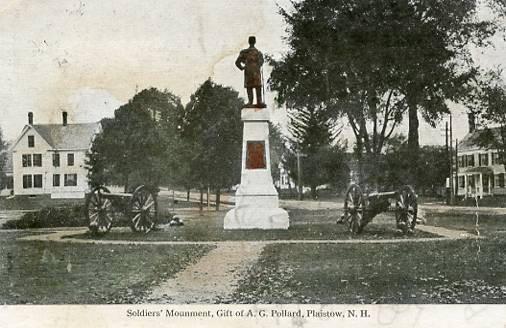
314, 194
125, 182
413, 142
359, 162
218, 199
188, 195
374, 170
201, 203
207, 197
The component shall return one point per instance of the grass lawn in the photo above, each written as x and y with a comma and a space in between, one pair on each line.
60, 273
304, 224
488, 225
462, 271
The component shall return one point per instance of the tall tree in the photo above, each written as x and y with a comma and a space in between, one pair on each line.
137, 145
374, 60
212, 127
313, 135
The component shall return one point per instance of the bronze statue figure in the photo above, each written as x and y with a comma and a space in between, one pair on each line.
250, 61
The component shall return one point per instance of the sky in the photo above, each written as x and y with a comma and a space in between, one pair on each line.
87, 57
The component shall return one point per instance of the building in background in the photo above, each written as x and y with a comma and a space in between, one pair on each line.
50, 158
480, 170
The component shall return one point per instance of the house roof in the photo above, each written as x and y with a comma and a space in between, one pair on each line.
470, 140
71, 136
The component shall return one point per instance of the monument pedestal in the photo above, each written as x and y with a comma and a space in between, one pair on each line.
256, 200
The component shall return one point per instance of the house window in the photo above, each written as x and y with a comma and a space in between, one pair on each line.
70, 180
27, 160
70, 159
56, 180
37, 180
464, 161
27, 181
56, 160
496, 159
499, 180
483, 159
462, 182
37, 160
31, 141
461, 161
470, 160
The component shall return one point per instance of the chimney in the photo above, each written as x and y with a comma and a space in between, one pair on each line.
30, 118
64, 115
471, 119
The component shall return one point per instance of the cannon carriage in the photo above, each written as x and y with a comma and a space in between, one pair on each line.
102, 208
361, 208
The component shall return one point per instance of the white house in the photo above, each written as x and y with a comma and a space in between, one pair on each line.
480, 171
50, 158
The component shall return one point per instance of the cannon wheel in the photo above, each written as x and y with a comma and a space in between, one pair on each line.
143, 210
406, 209
99, 211
354, 208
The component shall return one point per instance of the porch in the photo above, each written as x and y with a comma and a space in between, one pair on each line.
481, 182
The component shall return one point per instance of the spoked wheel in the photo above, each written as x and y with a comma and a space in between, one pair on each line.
99, 211
354, 208
143, 210
406, 209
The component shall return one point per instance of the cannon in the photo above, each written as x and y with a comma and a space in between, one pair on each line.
360, 208
140, 207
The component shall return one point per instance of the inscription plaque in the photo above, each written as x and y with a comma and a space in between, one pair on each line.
255, 155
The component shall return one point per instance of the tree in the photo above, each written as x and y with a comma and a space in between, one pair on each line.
374, 60
397, 166
137, 145
490, 101
277, 149
211, 127
313, 134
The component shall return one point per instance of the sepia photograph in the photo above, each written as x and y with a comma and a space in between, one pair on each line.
298, 163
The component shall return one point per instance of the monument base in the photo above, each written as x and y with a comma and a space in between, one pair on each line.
256, 199
256, 218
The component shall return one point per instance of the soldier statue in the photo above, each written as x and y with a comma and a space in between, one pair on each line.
250, 61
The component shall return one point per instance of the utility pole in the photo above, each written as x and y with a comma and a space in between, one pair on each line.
299, 176
452, 190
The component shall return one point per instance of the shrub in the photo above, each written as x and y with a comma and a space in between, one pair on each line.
50, 217
54, 217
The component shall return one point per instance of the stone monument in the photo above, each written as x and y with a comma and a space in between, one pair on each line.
256, 199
